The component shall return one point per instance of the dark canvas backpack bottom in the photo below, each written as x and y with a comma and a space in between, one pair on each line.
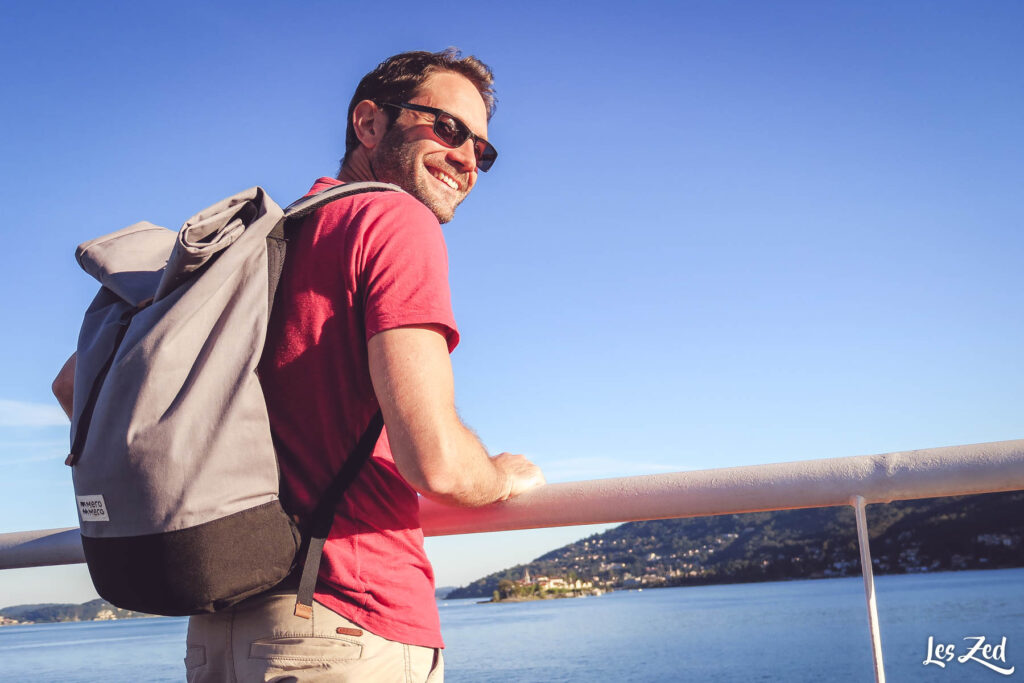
200, 569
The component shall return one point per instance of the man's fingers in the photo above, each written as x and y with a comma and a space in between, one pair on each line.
523, 474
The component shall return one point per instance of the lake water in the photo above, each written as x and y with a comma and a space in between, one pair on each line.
798, 632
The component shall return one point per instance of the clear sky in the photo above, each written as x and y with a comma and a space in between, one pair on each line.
719, 233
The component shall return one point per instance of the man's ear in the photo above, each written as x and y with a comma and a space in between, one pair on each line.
370, 123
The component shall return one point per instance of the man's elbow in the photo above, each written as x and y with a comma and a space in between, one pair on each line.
63, 386
444, 481
440, 482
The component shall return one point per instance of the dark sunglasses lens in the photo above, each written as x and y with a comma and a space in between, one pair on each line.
450, 130
485, 155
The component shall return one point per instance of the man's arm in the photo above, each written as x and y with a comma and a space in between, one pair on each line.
64, 385
434, 451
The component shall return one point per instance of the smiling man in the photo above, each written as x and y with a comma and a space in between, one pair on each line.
364, 319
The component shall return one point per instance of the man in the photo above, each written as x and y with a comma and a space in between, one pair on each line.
364, 317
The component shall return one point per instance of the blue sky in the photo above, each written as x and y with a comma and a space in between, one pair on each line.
719, 233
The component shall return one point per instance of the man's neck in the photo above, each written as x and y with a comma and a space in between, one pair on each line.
357, 169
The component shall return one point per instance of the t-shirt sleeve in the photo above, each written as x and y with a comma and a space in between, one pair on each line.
404, 268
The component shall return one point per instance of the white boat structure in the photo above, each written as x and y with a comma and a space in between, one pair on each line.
856, 481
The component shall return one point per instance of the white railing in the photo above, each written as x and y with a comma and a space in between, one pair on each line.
929, 473
856, 481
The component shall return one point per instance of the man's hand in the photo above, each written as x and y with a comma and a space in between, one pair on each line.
521, 474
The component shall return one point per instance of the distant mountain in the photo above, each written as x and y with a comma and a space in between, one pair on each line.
937, 534
94, 610
442, 592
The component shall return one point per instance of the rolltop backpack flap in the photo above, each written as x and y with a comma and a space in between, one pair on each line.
205, 236
173, 462
129, 262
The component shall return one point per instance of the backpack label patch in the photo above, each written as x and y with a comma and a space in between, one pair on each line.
92, 509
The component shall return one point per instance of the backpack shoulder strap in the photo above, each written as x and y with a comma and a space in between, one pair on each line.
277, 240
323, 516
310, 203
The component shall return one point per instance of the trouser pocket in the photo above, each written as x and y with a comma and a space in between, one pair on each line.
305, 649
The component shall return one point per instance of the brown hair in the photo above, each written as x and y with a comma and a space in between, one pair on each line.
397, 78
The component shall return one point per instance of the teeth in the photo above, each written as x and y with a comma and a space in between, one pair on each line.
444, 178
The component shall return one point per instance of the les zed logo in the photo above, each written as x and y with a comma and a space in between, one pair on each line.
981, 652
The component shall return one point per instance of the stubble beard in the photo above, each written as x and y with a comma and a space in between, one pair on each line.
396, 162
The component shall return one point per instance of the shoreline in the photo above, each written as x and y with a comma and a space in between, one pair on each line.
857, 577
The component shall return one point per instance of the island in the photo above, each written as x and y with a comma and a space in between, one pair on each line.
543, 588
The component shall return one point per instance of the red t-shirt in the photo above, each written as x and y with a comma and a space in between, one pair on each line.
358, 266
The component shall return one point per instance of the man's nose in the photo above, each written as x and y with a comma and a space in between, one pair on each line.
464, 156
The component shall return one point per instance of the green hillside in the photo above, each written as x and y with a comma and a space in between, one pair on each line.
937, 534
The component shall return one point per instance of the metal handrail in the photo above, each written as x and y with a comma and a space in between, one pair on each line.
906, 475
856, 481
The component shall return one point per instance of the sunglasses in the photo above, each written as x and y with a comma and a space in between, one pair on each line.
454, 133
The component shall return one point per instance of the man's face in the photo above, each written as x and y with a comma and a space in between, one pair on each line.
410, 155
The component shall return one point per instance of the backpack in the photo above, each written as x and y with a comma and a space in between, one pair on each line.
174, 465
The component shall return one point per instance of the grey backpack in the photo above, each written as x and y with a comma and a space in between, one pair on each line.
173, 461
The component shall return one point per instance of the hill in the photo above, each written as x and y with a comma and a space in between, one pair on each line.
94, 610
937, 534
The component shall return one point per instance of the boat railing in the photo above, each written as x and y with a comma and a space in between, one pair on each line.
856, 481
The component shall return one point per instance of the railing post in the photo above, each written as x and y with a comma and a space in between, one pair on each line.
859, 507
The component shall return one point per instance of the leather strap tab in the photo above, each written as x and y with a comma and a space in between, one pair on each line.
345, 631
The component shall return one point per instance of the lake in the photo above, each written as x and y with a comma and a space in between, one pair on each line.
796, 631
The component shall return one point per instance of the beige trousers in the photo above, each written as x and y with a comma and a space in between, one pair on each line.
261, 639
